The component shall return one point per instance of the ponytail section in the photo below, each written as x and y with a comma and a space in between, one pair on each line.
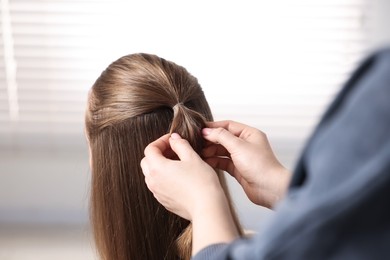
188, 124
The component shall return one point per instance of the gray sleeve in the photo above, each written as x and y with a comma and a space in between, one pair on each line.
337, 205
215, 251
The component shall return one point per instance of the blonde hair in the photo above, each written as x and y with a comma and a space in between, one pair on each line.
137, 99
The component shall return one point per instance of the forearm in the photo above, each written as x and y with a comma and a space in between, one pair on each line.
213, 224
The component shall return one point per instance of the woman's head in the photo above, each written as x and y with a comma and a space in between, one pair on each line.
143, 85
137, 99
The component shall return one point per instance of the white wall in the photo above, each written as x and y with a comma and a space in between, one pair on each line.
42, 182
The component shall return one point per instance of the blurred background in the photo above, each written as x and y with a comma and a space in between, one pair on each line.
275, 65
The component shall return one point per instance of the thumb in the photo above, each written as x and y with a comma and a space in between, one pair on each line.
182, 148
222, 136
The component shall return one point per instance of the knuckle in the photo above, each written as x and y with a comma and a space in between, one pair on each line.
153, 171
178, 142
252, 131
151, 184
182, 141
143, 162
146, 150
148, 184
220, 131
261, 134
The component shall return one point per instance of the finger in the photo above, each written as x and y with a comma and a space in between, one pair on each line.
182, 148
213, 150
158, 147
225, 164
222, 136
144, 167
234, 127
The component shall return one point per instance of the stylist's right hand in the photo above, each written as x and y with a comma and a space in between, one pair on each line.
183, 186
245, 153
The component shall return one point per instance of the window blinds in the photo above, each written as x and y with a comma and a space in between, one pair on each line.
272, 65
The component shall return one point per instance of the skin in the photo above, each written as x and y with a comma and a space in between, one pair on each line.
245, 153
187, 185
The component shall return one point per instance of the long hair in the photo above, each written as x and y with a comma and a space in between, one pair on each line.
137, 99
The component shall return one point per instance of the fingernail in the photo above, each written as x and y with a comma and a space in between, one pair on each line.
206, 131
175, 136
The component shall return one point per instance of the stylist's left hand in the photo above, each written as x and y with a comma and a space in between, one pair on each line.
186, 187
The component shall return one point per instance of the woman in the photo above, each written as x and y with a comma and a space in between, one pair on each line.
135, 100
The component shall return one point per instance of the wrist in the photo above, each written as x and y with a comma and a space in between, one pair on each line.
212, 221
280, 181
273, 188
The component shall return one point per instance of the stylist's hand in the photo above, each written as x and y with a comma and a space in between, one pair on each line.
245, 153
182, 186
190, 188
